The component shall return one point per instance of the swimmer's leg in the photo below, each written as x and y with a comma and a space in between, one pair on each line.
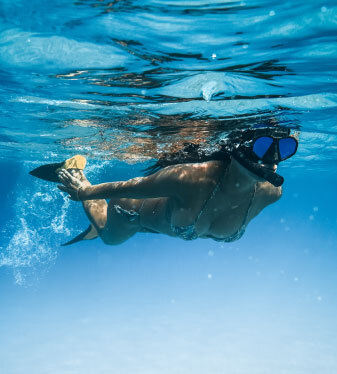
114, 223
96, 210
123, 220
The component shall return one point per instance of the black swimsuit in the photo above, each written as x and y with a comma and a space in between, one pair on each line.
189, 232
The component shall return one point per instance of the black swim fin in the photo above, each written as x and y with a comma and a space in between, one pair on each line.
49, 172
89, 234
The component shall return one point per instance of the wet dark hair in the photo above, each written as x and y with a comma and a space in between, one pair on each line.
195, 153
190, 153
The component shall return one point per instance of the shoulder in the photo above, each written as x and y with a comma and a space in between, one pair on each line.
207, 168
191, 179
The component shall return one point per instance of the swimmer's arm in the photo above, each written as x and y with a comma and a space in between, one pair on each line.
166, 183
182, 182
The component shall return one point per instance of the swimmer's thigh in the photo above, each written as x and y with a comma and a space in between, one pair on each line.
120, 226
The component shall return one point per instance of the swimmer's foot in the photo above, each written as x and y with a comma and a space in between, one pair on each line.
73, 182
49, 172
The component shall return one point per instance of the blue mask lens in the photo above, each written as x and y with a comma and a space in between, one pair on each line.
261, 145
287, 147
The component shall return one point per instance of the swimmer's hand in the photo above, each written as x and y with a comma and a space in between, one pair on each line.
71, 184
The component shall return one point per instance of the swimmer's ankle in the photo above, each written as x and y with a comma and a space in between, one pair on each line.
78, 173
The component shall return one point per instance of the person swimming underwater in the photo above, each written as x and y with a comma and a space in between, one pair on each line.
189, 194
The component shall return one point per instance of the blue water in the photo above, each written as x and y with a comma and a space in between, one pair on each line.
120, 82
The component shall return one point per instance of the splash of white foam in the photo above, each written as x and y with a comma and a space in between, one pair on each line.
26, 251
34, 233
43, 216
58, 223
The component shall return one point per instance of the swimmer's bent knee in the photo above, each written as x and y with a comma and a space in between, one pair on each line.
109, 239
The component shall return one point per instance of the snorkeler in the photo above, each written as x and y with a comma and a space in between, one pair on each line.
189, 194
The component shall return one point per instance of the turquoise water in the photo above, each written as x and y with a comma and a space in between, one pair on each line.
120, 82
